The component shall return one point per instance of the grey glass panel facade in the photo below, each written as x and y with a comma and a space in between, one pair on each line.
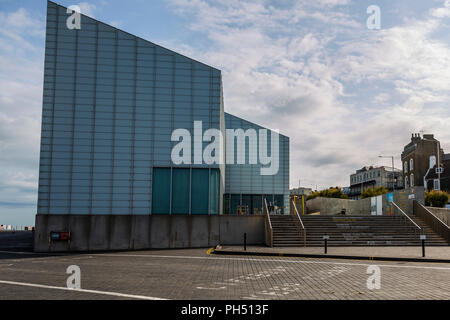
111, 101
246, 179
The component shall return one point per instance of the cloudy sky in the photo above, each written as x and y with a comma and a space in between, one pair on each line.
343, 93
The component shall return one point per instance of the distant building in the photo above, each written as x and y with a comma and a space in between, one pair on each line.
346, 190
418, 156
301, 191
434, 181
372, 177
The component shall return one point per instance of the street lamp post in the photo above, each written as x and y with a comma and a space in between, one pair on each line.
393, 174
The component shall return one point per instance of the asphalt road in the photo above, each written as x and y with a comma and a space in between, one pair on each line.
194, 274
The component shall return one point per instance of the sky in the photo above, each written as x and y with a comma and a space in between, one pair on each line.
342, 92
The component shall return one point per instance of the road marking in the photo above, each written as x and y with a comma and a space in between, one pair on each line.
116, 294
270, 260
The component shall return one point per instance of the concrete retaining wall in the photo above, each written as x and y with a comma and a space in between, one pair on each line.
134, 232
442, 213
333, 206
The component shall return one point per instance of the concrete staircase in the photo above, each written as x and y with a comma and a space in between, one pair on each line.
286, 231
351, 231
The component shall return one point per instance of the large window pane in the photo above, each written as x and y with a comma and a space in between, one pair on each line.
226, 204
161, 191
235, 202
214, 191
199, 189
279, 203
180, 191
247, 204
257, 204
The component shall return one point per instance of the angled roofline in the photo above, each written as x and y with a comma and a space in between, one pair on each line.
133, 35
255, 124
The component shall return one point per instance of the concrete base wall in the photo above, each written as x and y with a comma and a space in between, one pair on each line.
332, 206
134, 232
442, 213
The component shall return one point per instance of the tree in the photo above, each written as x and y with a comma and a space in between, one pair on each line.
373, 192
328, 193
436, 198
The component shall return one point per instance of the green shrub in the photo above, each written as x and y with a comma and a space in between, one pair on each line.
373, 192
436, 198
328, 193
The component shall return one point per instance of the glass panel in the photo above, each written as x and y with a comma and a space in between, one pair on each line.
235, 202
214, 181
199, 201
269, 198
257, 204
180, 191
279, 203
161, 191
246, 206
226, 204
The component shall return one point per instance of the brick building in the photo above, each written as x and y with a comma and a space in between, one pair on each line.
418, 156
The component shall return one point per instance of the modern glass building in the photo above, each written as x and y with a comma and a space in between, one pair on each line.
245, 187
111, 102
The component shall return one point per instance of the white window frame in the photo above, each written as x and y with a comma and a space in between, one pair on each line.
411, 180
411, 164
436, 184
405, 167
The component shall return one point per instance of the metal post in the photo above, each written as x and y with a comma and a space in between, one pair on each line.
393, 176
245, 241
439, 164
325, 238
423, 237
423, 248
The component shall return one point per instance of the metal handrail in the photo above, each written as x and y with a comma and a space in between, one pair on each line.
442, 222
301, 223
298, 216
436, 224
394, 204
269, 223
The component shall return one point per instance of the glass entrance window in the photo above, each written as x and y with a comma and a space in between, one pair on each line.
185, 191
161, 191
180, 191
200, 191
257, 204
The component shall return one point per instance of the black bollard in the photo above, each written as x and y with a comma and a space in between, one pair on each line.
326, 242
245, 242
423, 237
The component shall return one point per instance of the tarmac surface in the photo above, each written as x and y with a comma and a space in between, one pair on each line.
190, 274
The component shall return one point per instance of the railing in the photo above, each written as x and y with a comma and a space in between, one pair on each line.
301, 223
407, 217
430, 219
269, 229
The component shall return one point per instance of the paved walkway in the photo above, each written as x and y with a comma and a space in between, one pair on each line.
191, 274
395, 252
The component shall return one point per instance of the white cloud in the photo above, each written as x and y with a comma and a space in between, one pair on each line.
305, 68
87, 9
21, 65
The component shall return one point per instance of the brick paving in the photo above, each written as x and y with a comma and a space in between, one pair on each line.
391, 251
193, 274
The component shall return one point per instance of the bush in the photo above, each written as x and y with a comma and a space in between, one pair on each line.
328, 193
373, 192
436, 198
